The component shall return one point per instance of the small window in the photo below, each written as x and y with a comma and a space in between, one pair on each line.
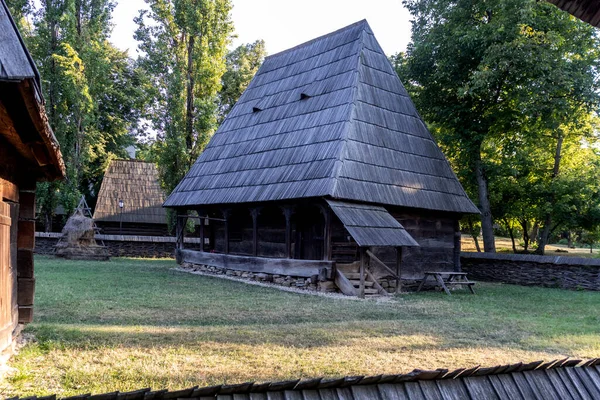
256, 109
304, 96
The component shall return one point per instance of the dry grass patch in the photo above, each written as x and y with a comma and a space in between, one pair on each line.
129, 324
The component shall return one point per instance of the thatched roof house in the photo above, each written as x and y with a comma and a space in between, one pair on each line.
327, 125
130, 200
29, 152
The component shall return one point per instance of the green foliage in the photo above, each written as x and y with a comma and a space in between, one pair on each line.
242, 64
184, 44
91, 89
508, 88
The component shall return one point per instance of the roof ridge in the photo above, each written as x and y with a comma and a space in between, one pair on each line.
348, 124
336, 32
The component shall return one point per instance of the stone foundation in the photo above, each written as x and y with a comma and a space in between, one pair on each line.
281, 280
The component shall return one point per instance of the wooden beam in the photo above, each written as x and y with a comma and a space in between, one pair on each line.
202, 234
344, 284
326, 211
255, 212
275, 266
363, 261
398, 269
288, 211
379, 288
226, 212
381, 263
456, 253
9, 191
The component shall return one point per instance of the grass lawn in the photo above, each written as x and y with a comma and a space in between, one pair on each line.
130, 323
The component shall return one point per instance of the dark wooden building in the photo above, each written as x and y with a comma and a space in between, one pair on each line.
130, 200
324, 162
29, 153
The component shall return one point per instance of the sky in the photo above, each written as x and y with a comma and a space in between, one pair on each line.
286, 23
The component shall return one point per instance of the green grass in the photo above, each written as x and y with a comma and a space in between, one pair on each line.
128, 324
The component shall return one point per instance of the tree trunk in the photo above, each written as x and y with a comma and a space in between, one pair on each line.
189, 119
569, 240
512, 236
525, 227
487, 222
548, 219
534, 232
474, 235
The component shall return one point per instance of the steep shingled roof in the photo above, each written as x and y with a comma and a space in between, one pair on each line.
136, 183
21, 101
328, 118
557, 380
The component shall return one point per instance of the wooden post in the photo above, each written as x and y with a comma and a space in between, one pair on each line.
226, 213
287, 212
363, 261
202, 233
326, 211
398, 269
255, 212
456, 254
180, 231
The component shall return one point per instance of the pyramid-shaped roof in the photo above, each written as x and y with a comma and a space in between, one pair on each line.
328, 118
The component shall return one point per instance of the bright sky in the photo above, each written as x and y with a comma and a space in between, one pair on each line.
286, 23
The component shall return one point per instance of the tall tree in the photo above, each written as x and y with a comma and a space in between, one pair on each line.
90, 90
486, 70
184, 43
242, 63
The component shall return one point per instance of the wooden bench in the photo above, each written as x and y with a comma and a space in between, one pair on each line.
445, 279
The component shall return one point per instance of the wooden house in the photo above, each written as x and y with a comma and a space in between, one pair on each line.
29, 153
324, 166
130, 200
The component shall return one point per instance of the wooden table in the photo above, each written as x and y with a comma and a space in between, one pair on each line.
445, 279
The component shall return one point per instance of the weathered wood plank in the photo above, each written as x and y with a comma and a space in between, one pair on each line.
277, 266
526, 390
430, 390
366, 392
561, 389
540, 381
380, 263
510, 386
344, 284
414, 391
589, 384
376, 284
479, 387
9, 191
451, 389
574, 387
389, 391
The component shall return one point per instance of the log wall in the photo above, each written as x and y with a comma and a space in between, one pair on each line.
532, 270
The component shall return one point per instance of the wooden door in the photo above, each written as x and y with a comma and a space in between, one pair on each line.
6, 278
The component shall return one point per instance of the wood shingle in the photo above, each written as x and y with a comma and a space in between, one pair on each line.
327, 118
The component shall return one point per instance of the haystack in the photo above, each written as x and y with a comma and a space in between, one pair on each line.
78, 242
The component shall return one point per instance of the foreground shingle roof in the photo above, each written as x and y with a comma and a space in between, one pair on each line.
559, 380
136, 183
328, 118
586, 10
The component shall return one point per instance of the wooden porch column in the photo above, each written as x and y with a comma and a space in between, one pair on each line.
398, 269
326, 211
226, 213
180, 231
456, 254
287, 212
363, 262
255, 212
202, 233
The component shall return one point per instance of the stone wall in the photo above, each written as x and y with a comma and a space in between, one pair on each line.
531, 270
281, 280
121, 245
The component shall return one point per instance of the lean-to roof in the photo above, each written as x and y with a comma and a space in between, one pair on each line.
136, 183
328, 118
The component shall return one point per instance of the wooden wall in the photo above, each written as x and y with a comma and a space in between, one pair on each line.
17, 235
